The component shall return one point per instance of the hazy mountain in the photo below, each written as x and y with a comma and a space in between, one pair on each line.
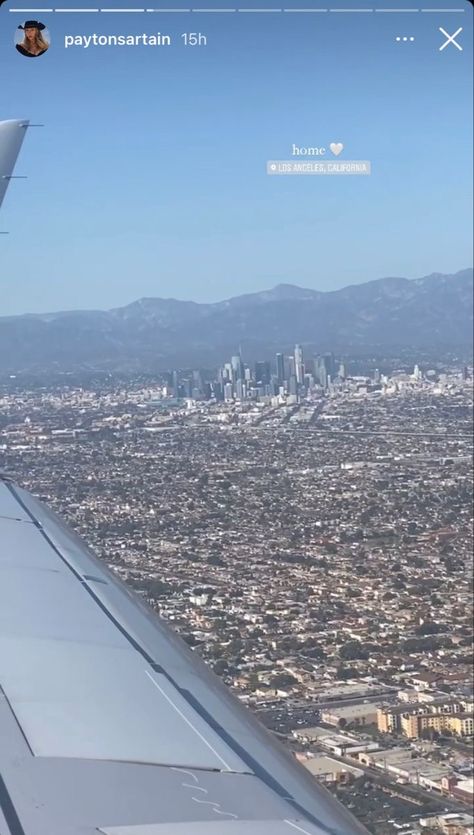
430, 313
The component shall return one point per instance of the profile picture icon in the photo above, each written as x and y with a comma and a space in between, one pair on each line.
32, 39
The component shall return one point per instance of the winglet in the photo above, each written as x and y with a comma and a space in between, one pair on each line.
12, 133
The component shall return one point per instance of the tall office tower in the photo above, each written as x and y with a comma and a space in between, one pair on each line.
227, 372
293, 385
197, 381
321, 372
299, 369
175, 383
280, 368
342, 371
329, 364
324, 369
217, 390
319, 369
237, 367
262, 372
247, 374
291, 367
377, 376
187, 388
228, 391
240, 390
309, 382
417, 373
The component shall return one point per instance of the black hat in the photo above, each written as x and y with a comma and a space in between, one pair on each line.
32, 24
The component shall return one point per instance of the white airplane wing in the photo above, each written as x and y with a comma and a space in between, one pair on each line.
110, 724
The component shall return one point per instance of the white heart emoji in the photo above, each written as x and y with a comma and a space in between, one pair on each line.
336, 148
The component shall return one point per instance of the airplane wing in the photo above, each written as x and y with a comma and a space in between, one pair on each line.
12, 134
110, 724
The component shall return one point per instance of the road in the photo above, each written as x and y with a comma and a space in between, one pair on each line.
410, 791
432, 436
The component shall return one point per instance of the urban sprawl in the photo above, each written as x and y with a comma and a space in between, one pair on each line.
308, 531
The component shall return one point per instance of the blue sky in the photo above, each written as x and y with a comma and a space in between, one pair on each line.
148, 178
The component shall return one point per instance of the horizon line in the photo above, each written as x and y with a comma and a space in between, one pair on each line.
228, 298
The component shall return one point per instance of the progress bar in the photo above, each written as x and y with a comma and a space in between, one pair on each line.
230, 11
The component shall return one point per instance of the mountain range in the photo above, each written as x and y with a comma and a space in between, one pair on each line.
388, 314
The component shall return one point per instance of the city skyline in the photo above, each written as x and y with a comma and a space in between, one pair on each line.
287, 378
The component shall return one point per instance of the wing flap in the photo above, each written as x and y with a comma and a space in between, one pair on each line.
236, 827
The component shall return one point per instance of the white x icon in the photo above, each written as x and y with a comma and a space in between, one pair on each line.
450, 39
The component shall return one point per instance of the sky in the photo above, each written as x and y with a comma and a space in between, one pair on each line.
149, 178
